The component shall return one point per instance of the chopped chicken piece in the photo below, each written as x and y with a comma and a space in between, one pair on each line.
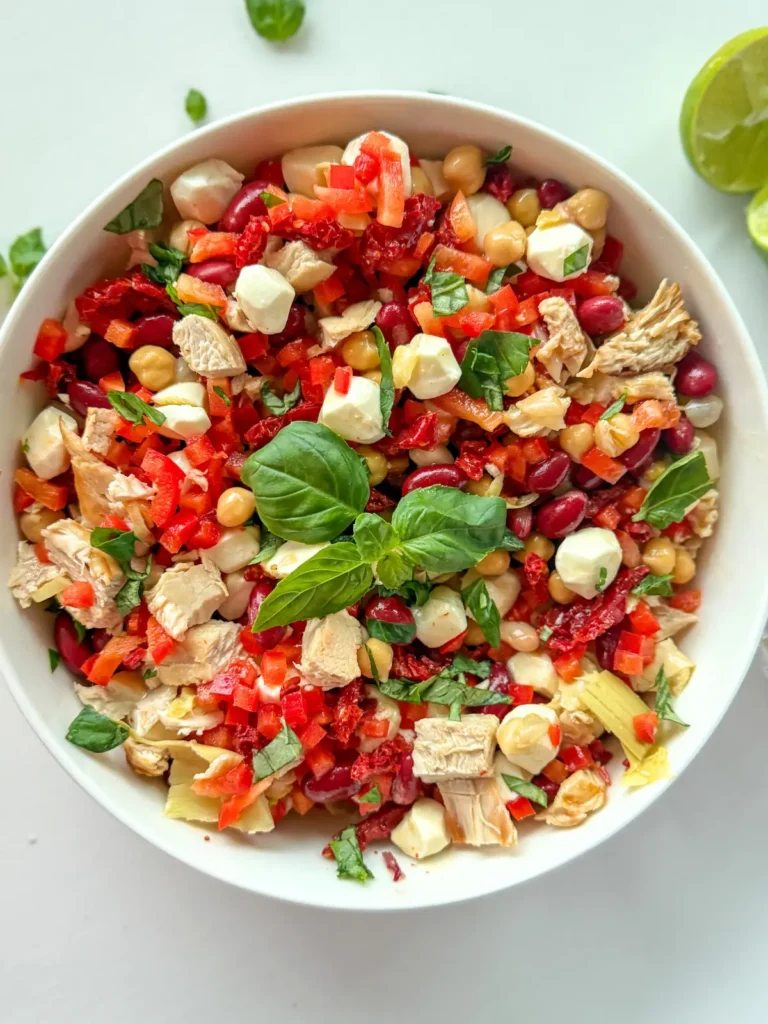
329, 650
475, 813
645, 385
357, 317
186, 595
118, 698
301, 266
655, 337
146, 760
545, 410
703, 515
565, 351
29, 574
671, 620
581, 794
99, 429
454, 750
69, 548
204, 651
250, 385
122, 489
207, 348
145, 717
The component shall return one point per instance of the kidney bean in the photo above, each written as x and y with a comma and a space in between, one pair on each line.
405, 787
389, 609
520, 521
266, 638
156, 329
396, 323
601, 314
551, 192
562, 515
216, 271
696, 376
430, 476
100, 638
499, 679
679, 439
586, 480
84, 395
605, 647
244, 204
336, 784
73, 651
641, 452
549, 474
295, 326
99, 359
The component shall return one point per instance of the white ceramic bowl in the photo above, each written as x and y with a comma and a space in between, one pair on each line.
287, 863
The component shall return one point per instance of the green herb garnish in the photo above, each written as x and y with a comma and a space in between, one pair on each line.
196, 106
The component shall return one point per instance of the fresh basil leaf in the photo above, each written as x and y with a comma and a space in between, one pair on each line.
497, 275
413, 592
501, 157
309, 484
133, 409
373, 796
659, 586
191, 308
279, 406
219, 390
663, 707
617, 406
387, 385
96, 732
267, 547
283, 749
276, 20
442, 529
403, 689
463, 663
511, 542
349, 858
489, 362
373, 536
327, 582
454, 715
394, 573
54, 659
169, 264
526, 789
25, 253
678, 487
270, 199
120, 544
149, 673
146, 211
486, 614
445, 688
196, 105
575, 261
602, 579
391, 632
80, 630
130, 594
449, 291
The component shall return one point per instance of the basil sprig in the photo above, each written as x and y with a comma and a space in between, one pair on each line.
349, 857
659, 586
133, 409
490, 361
96, 732
283, 749
501, 157
146, 211
486, 614
280, 406
663, 707
449, 290
678, 487
525, 789
387, 385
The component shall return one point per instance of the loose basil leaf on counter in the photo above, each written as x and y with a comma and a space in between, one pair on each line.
96, 732
387, 385
120, 544
484, 611
130, 594
146, 211
413, 592
280, 406
133, 409
283, 749
327, 582
617, 406
490, 361
196, 105
501, 157
391, 632
267, 547
373, 796
526, 789
659, 586
497, 275
576, 261
449, 290
191, 308
349, 858
678, 487
394, 573
511, 542
463, 663
663, 707
373, 536
308, 483
25, 253
54, 659
270, 199
169, 264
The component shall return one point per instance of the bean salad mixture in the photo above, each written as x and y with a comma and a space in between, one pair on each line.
370, 487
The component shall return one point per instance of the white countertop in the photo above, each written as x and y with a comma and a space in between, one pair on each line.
665, 922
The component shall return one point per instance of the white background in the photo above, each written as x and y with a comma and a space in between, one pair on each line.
666, 922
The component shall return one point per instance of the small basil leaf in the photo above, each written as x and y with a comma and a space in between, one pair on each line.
511, 542
497, 275
196, 105
678, 487
575, 261
414, 592
526, 789
130, 594
96, 732
387, 385
280, 406
80, 630
120, 544
133, 409
391, 632
394, 573
169, 264
373, 796
283, 749
463, 663
489, 362
373, 536
219, 390
54, 659
191, 308
486, 614
501, 157
449, 291
270, 199
403, 689
602, 579
349, 858
25, 253
663, 707
659, 586
267, 547
276, 20
146, 211
617, 406
149, 673
445, 688
454, 715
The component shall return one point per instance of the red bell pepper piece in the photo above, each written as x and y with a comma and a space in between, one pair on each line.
179, 530
627, 663
568, 667
646, 726
686, 600
575, 758
50, 341
236, 782
312, 734
53, 496
643, 620
555, 735
233, 807
245, 697
608, 517
602, 465
294, 708
320, 759
168, 479
555, 771
206, 534
199, 450
78, 595
236, 716
520, 808
268, 722
342, 379
160, 644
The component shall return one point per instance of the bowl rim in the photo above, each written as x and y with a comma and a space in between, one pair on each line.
741, 661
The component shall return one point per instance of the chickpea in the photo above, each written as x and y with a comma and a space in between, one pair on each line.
32, 524
520, 635
475, 635
685, 567
397, 465
479, 486
659, 555
381, 654
655, 470
505, 244
551, 218
598, 243
464, 169
179, 239
154, 367
360, 352
577, 440
589, 208
420, 182
558, 590
376, 461
494, 563
235, 506
524, 206
518, 385
615, 436
478, 301
537, 544
374, 375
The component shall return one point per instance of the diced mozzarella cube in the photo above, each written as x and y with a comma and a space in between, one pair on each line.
239, 593
301, 266
301, 167
581, 557
290, 556
396, 144
503, 590
503, 766
422, 832
387, 710
355, 416
525, 736
43, 444
203, 192
549, 248
236, 548
439, 456
183, 421
488, 212
426, 366
440, 618
265, 297
186, 393
434, 171
534, 670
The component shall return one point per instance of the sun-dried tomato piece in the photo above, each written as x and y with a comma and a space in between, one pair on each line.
379, 825
262, 432
392, 866
498, 182
54, 375
110, 294
609, 608
536, 572
472, 458
597, 500
385, 759
641, 532
377, 501
318, 234
384, 243
348, 712
416, 667
422, 433
445, 235
144, 289
251, 244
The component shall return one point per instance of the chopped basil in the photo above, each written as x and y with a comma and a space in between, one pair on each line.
545, 634
511, 542
25, 447
463, 663
484, 611
489, 362
219, 390
130, 594
268, 546
80, 630
414, 592
146, 211
449, 290
403, 689
525, 789
25, 253
373, 796
54, 659
602, 579
449, 687
276, 20
501, 157
133, 409
149, 673
283, 749
617, 406
663, 706
191, 308
678, 487
279, 406
96, 732
391, 632
349, 858
660, 586
454, 714
387, 385
196, 105
575, 261
372, 665
120, 544
497, 275
270, 199
169, 264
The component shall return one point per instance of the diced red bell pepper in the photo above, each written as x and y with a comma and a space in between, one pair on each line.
51, 340
352, 200
376, 728
602, 465
199, 450
631, 500
555, 771
312, 734
235, 782
109, 659
167, 478
520, 693
391, 200
321, 371
646, 726
591, 283
136, 623
474, 268
179, 530
197, 501
268, 721
568, 667
294, 708
314, 700
608, 517
342, 379
452, 645
218, 404
294, 351
274, 666
120, 333
233, 807
686, 600
78, 595
320, 759
52, 496
555, 735
593, 412
643, 620
236, 716
520, 808
160, 644
574, 758
627, 663
253, 346
535, 450
21, 499
329, 291
504, 300
207, 534
341, 176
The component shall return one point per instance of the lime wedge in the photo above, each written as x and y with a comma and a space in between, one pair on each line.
724, 120
757, 220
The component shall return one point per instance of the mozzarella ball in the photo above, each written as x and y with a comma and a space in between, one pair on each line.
238, 594
434, 172
236, 548
503, 589
185, 393
290, 556
426, 366
355, 416
203, 192
265, 297
549, 248
525, 736
301, 167
422, 832
387, 710
439, 456
581, 557
440, 618
488, 212
534, 670
397, 145
43, 444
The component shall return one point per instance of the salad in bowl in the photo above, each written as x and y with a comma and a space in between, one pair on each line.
369, 487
